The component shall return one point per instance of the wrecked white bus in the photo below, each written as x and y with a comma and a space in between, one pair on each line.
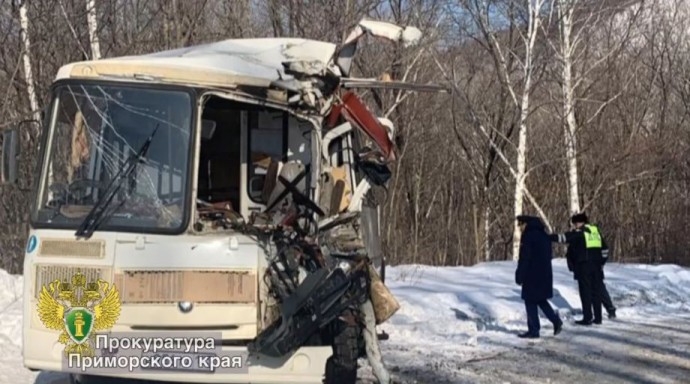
219, 187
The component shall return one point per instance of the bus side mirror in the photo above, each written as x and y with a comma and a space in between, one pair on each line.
9, 152
10, 149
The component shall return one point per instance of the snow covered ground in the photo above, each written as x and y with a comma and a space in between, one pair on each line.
459, 325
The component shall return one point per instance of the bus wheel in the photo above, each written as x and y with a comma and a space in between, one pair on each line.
341, 367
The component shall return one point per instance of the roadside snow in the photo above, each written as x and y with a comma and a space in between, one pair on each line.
458, 325
460, 304
11, 369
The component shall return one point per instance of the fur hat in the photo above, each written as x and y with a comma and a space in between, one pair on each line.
579, 218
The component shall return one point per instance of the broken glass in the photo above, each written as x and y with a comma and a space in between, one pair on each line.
96, 129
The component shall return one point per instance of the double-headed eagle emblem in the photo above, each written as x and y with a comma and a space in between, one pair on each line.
78, 309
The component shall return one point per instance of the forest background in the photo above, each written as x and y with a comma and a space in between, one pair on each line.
556, 107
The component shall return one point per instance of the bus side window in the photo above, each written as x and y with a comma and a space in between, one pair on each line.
266, 143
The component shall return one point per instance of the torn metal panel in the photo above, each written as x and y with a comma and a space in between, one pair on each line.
358, 114
309, 68
333, 116
333, 134
407, 35
358, 197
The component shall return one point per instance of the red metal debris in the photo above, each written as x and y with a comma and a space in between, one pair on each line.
354, 111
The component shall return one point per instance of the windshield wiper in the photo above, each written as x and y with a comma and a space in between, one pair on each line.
98, 213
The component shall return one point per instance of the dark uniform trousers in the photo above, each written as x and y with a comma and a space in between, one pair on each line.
606, 299
591, 281
532, 307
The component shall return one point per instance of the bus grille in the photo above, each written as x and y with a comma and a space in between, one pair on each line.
46, 274
194, 286
71, 248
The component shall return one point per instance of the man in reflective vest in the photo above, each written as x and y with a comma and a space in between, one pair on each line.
587, 253
593, 241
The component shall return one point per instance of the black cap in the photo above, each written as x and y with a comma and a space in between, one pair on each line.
524, 219
579, 218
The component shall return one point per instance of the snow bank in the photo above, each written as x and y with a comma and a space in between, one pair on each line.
450, 308
11, 368
10, 309
453, 318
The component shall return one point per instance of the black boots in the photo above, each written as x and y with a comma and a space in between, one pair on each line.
588, 322
557, 328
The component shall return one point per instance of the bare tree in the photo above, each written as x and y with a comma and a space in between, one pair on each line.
611, 76
566, 10
579, 25
518, 89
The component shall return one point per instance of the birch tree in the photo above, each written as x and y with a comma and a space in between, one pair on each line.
518, 89
578, 25
26, 57
499, 152
533, 21
565, 15
92, 16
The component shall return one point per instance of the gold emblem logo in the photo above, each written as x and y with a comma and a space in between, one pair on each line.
79, 309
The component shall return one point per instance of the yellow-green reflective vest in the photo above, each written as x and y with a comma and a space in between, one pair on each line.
593, 237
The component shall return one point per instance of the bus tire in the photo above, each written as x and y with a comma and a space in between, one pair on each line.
341, 367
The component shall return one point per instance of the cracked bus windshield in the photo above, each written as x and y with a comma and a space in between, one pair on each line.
95, 130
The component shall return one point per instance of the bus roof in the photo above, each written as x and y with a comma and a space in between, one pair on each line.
225, 64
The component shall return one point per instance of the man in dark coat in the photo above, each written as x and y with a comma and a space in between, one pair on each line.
535, 275
587, 253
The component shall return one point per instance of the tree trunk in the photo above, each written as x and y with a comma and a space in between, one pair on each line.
93, 29
531, 37
565, 14
521, 166
487, 228
28, 73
